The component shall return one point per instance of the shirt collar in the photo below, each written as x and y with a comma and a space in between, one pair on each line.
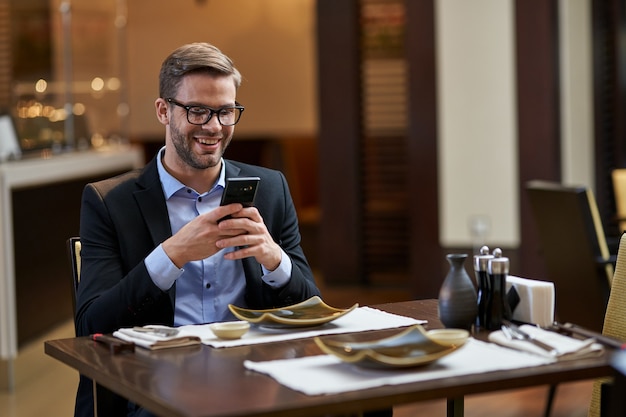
171, 185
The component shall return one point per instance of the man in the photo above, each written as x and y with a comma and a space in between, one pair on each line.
153, 248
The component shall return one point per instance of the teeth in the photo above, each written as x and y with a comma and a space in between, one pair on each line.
206, 141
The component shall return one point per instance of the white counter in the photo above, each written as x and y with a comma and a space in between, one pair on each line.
37, 172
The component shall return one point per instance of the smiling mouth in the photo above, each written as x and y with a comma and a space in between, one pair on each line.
207, 141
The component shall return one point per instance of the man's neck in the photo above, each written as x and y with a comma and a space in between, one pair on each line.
200, 180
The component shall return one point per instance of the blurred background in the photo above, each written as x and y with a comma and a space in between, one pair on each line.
407, 129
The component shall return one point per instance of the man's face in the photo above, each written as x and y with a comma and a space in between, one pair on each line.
201, 146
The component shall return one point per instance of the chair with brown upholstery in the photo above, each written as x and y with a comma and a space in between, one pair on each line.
614, 320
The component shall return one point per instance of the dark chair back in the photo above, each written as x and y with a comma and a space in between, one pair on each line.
574, 248
73, 252
108, 403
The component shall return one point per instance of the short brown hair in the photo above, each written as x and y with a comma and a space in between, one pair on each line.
194, 57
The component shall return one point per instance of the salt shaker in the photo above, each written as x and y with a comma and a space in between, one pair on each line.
497, 306
481, 262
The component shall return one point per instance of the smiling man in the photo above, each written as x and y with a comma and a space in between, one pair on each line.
153, 248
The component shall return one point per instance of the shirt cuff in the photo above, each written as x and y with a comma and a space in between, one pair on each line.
161, 269
281, 275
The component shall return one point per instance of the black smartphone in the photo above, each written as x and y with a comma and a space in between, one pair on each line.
240, 190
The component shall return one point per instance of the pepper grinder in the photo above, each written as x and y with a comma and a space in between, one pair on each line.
481, 262
497, 307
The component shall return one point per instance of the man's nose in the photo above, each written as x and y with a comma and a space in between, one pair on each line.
212, 124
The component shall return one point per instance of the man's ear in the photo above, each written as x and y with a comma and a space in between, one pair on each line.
162, 111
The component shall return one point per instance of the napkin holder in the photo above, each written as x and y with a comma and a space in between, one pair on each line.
536, 300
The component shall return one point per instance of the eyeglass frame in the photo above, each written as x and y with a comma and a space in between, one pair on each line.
212, 111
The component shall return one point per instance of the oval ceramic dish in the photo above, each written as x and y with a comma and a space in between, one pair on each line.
230, 329
449, 337
410, 347
311, 312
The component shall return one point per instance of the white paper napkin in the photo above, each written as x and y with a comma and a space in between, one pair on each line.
155, 341
536, 304
567, 347
326, 374
358, 320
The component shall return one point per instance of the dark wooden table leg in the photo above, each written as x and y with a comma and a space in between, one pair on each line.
456, 407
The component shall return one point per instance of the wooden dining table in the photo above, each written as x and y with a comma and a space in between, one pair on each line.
201, 381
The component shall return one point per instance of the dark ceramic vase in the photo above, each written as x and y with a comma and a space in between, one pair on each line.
457, 296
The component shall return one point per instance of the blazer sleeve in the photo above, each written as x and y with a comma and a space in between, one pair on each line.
115, 288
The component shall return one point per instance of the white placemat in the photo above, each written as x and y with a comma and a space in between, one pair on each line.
326, 374
359, 320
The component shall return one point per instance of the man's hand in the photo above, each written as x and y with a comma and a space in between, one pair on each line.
196, 240
247, 231
204, 236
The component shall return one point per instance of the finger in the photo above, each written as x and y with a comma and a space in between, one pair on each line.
249, 212
238, 240
244, 252
218, 214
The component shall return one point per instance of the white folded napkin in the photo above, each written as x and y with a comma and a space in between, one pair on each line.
326, 374
155, 341
536, 304
567, 348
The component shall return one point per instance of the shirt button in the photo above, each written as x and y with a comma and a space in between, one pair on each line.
200, 199
208, 285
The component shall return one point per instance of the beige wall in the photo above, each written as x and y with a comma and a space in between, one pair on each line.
271, 41
576, 92
478, 151
477, 122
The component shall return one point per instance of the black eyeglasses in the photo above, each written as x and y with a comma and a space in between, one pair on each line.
200, 115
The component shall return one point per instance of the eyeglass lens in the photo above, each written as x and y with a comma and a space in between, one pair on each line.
200, 115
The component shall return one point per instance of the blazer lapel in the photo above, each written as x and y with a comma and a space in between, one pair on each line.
231, 170
151, 201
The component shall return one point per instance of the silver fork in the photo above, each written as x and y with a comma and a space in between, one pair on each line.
511, 331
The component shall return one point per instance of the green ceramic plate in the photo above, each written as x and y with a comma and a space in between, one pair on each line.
311, 312
412, 346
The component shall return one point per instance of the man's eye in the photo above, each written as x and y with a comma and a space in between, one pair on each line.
227, 112
198, 110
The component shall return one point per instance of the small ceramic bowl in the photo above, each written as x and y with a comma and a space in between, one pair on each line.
449, 337
230, 329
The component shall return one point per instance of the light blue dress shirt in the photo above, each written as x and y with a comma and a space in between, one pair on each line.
204, 288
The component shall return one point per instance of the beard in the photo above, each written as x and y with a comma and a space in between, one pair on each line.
183, 144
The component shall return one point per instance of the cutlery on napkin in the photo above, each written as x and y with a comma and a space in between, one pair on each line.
511, 331
556, 346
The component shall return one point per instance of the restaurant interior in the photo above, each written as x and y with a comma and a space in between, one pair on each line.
407, 130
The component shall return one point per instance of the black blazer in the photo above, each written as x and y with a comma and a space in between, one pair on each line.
124, 218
